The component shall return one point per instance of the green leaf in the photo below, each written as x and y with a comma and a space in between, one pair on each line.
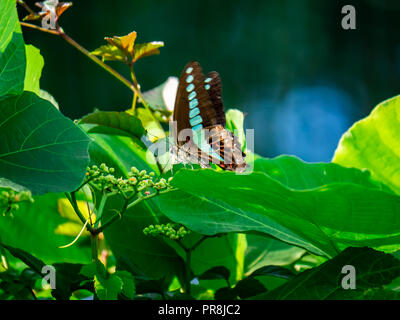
152, 127
244, 289
373, 143
119, 152
109, 52
234, 123
216, 273
33, 229
34, 66
128, 281
108, 288
147, 49
299, 175
325, 281
275, 271
127, 123
88, 270
364, 214
162, 98
262, 251
42, 150
248, 287
47, 96
26, 257
227, 250
12, 50
68, 280
118, 48
5, 183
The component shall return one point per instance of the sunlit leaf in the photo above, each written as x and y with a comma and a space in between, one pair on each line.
12, 50
111, 53
234, 123
162, 98
34, 66
124, 49
147, 49
124, 43
373, 143
118, 48
153, 128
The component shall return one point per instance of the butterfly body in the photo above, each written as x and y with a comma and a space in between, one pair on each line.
199, 115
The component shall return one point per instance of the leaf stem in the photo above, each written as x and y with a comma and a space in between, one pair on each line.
94, 246
76, 238
100, 210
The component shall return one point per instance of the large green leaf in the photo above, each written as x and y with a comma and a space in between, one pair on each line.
299, 175
12, 50
33, 228
41, 149
299, 212
374, 143
325, 281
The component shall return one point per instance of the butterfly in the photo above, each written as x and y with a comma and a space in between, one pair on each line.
199, 123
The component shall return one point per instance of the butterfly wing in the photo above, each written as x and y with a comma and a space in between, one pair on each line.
199, 105
195, 106
214, 88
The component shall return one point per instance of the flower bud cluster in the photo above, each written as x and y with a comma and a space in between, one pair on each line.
10, 199
169, 230
103, 179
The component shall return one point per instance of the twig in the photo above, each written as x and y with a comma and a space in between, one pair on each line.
26, 7
33, 26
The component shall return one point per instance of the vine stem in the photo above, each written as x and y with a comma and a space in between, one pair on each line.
94, 245
188, 270
96, 60
188, 262
33, 26
134, 87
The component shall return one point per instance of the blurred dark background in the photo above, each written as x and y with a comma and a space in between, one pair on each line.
299, 77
